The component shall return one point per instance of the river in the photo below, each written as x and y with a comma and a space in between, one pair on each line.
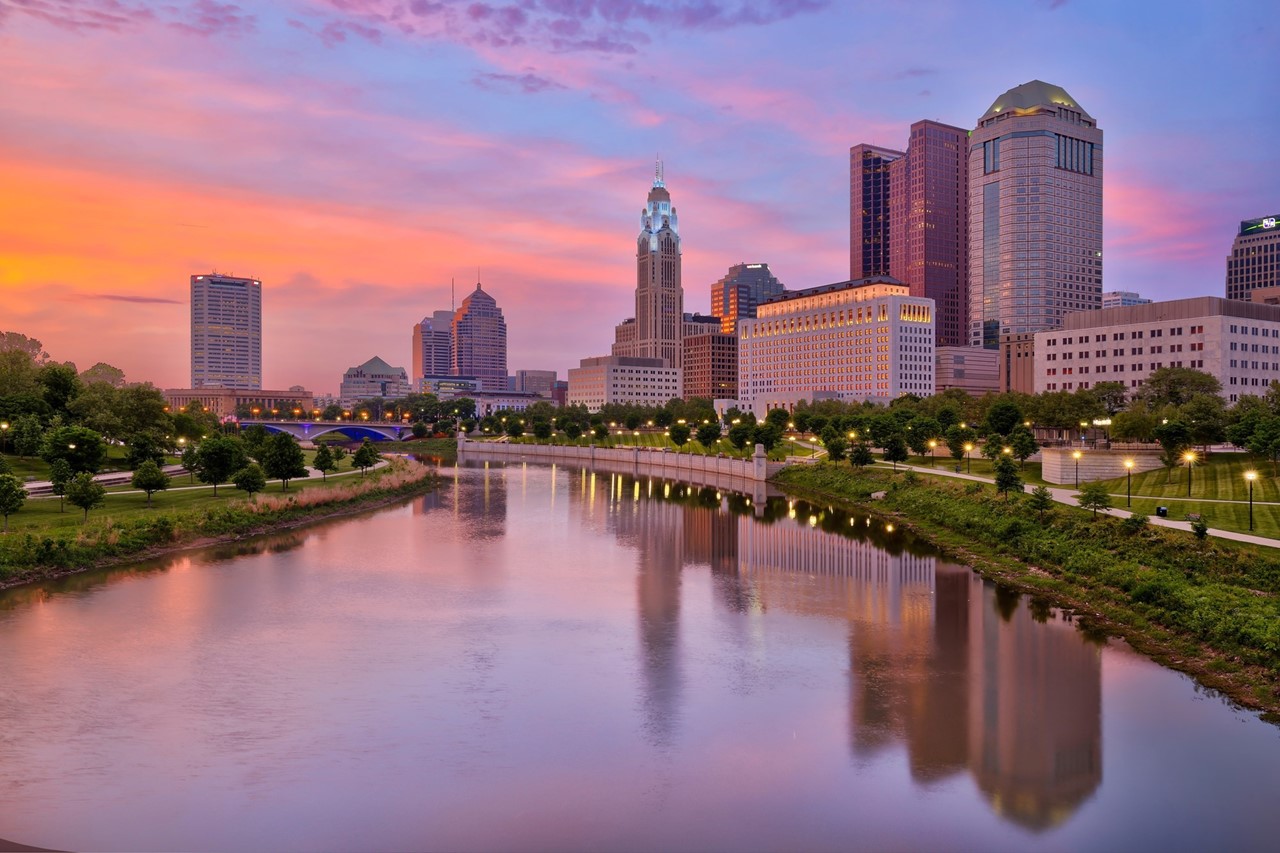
541, 658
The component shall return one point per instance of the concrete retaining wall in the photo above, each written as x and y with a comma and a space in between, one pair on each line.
629, 460
1059, 466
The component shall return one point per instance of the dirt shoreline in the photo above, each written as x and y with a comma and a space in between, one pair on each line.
42, 575
1161, 645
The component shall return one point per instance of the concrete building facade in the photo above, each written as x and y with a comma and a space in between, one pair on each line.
1035, 214
374, 378
224, 402
1237, 342
623, 379
971, 369
226, 332
855, 340
540, 382
433, 345
480, 341
740, 291
1254, 261
711, 366
1122, 298
1017, 363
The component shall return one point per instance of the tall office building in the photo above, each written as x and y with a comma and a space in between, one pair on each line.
480, 341
1254, 261
869, 237
736, 295
433, 345
226, 332
1035, 213
657, 331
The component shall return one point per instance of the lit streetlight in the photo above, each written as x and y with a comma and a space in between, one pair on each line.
1251, 476
1190, 459
968, 460
1128, 486
932, 445
4, 433
1076, 454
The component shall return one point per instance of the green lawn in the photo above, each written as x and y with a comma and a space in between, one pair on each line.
1219, 478
35, 468
980, 466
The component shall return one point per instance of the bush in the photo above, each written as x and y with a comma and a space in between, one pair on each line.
1135, 523
1200, 529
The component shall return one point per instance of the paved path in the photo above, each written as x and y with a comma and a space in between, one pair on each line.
1068, 497
41, 490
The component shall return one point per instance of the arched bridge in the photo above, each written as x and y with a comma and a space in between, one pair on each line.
356, 431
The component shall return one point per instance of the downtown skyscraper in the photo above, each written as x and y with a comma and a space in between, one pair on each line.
480, 341
657, 330
1035, 213
743, 287
226, 332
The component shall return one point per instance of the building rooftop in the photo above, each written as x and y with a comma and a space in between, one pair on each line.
1035, 94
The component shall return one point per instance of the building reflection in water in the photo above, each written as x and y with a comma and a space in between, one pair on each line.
961, 673
481, 500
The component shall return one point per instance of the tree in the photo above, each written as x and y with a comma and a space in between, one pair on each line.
778, 417
741, 433
1023, 443
1174, 437
150, 478
144, 447
1094, 496
600, 431
60, 385
420, 430
1111, 395
60, 475
251, 478
1265, 440
573, 430
1206, 418
324, 462
1003, 416
542, 430
515, 428
27, 435
12, 497
766, 434
1041, 500
217, 459
283, 460
1007, 478
895, 450
255, 440
366, 457
103, 372
994, 446
709, 434
85, 492
920, 431
190, 457
1136, 424
860, 456
1173, 386
836, 448
957, 438
680, 434
83, 448
331, 412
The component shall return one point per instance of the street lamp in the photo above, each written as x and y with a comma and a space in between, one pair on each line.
1128, 486
1190, 459
4, 433
968, 460
1084, 425
1076, 454
1251, 476
932, 445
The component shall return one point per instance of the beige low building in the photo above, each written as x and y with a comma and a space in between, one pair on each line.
224, 402
1017, 369
970, 369
623, 379
1236, 342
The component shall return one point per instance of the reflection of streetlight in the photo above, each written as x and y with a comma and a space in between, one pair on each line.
1128, 486
1190, 459
968, 463
1076, 454
1251, 476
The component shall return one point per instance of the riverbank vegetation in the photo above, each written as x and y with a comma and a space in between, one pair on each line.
129, 532
1208, 607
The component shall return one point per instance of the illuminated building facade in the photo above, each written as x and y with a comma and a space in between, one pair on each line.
741, 290
869, 190
226, 332
1254, 261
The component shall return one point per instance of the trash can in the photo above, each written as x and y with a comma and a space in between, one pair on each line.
1162, 511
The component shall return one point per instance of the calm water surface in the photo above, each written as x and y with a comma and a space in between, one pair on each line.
540, 658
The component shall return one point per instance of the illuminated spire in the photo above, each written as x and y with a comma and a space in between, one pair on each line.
657, 172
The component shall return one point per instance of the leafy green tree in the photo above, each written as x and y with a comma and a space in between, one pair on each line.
1007, 478
217, 458
778, 417
12, 496
1094, 496
542, 430
766, 434
1023, 443
1111, 395
103, 372
60, 475
190, 458
1173, 386
882, 428
664, 418
255, 440
920, 431
573, 430
895, 450
1041, 500
5, 467
680, 434
741, 434
26, 435
600, 431
860, 456
85, 492
331, 412
60, 384
515, 427
709, 434
1002, 417
1206, 418
83, 448
957, 437
1174, 438
251, 478
1264, 440
324, 462
1136, 424
283, 460
365, 457
420, 430
633, 420
837, 447
150, 478
144, 447
994, 446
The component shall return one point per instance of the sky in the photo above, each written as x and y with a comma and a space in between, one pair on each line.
359, 155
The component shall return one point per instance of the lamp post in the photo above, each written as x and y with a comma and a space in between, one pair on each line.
1076, 454
968, 460
4, 434
1190, 459
1084, 426
1251, 476
1128, 486
932, 445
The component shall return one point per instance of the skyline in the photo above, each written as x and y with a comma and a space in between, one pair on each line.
355, 162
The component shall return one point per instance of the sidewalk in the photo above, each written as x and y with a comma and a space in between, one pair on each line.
43, 489
1067, 497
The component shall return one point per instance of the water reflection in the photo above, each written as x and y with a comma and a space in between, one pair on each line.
940, 661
